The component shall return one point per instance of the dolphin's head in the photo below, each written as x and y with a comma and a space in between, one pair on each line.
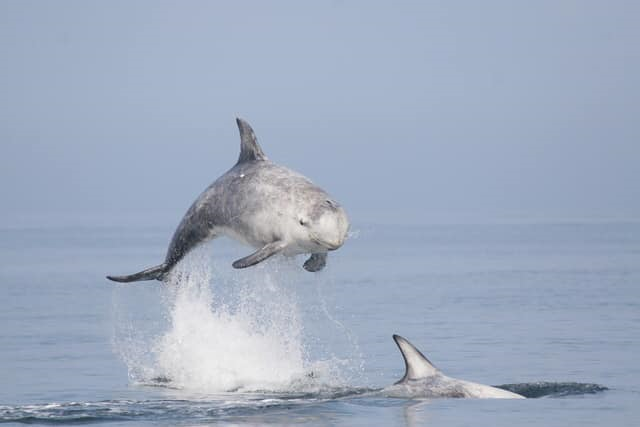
324, 225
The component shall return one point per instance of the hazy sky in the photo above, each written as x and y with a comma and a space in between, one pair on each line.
123, 112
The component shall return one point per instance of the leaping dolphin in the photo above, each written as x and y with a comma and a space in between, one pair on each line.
422, 379
262, 204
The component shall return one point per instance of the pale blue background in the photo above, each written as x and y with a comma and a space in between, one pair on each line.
516, 123
122, 112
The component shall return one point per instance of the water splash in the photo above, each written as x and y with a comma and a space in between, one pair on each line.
250, 345
244, 333
356, 369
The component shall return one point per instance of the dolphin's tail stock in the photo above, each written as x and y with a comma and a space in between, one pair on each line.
154, 273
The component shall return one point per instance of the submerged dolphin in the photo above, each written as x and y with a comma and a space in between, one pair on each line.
422, 379
262, 204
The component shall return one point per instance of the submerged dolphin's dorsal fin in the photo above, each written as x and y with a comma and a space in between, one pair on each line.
249, 148
416, 363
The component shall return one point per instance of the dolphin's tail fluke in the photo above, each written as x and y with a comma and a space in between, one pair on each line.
154, 273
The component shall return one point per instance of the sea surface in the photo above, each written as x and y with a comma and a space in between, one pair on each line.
551, 308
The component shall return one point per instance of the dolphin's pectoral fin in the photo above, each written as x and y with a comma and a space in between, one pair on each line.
316, 262
260, 255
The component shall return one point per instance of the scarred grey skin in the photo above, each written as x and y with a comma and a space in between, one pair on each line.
422, 379
263, 205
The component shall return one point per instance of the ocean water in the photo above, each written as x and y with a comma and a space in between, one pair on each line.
551, 308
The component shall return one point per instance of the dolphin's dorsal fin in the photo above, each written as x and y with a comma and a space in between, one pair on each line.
417, 365
249, 148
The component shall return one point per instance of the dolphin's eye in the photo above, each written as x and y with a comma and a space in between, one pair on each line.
302, 222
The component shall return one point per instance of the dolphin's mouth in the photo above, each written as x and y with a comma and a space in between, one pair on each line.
327, 245
331, 247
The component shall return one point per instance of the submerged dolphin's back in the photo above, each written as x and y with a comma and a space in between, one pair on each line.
423, 379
